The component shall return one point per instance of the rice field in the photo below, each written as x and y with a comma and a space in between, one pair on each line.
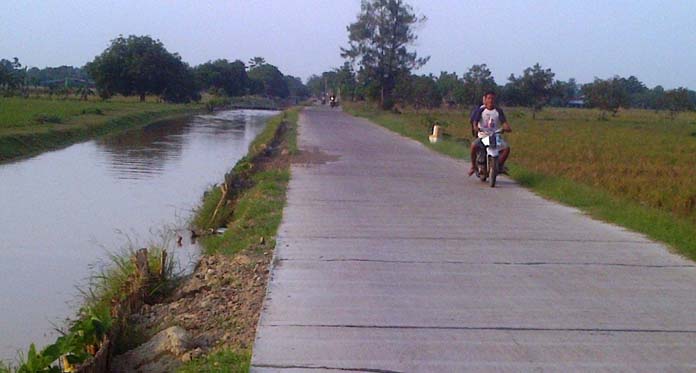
39, 114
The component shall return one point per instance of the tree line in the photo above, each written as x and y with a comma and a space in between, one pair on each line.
141, 66
534, 88
379, 66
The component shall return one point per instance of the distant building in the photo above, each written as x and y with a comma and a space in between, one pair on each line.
577, 102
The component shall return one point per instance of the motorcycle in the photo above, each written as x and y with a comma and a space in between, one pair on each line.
333, 102
487, 164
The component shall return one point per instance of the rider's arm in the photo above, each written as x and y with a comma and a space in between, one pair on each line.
503, 119
506, 127
474, 119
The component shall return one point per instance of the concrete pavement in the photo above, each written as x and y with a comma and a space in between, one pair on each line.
390, 259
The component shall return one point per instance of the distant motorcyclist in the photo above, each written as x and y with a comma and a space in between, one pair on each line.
332, 99
484, 121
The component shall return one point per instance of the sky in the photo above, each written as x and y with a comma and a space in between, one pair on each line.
584, 39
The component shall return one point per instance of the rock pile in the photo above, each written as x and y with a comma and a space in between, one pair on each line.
217, 306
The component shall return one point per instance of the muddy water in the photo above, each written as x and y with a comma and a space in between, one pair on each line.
63, 212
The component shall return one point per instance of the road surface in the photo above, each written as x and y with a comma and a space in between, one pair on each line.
390, 259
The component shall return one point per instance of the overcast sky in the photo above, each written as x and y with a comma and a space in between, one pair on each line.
654, 40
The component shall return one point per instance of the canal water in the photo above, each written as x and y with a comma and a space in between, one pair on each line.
63, 212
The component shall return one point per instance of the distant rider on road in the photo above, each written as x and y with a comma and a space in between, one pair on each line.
485, 121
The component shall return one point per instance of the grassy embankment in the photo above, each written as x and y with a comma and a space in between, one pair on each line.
637, 169
251, 215
32, 125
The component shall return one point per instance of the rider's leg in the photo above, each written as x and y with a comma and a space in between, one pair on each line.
474, 151
504, 154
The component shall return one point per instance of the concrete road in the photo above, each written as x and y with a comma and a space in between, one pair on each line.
390, 259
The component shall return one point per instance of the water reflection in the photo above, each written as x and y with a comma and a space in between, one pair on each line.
143, 153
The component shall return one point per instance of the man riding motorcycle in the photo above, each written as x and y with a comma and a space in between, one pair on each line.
485, 121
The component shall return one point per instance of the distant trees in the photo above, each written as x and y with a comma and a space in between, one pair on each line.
677, 100
419, 91
533, 89
564, 92
450, 88
607, 95
378, 42
223, 76
340, 81
55, 76
268, 81
295, 87
315, 84
141, 65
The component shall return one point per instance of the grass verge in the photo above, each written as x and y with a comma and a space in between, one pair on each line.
223, 361
586, 189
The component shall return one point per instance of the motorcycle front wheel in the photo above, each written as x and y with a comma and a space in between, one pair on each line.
493, 170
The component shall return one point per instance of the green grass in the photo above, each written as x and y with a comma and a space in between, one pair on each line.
223, 361
32, 125
659, 225
257, 214
637, 170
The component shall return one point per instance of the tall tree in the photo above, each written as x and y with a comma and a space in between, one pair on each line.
378, 41
269, 81
11, 74
256, 61
346, 84
477, 81
537, 85
137, 65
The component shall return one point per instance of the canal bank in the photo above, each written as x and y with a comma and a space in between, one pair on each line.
209, 321
32, 126
108, 193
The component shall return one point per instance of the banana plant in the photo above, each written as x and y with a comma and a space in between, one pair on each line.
40, 362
